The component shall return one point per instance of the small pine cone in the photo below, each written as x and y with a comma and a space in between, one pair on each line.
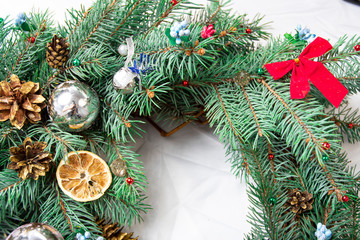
57, 52
300, 201
113, 232
30, 159
20, 101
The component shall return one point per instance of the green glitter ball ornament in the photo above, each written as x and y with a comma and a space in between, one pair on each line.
76, 62
1, 20
272, 200
325, 157
260, 71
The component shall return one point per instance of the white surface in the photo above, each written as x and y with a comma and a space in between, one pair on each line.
191, 189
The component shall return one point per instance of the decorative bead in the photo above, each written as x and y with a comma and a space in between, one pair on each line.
174, 2
248, 30
31, 39
76, 62
123, 50
357, 48
351, 125
260, 71
185, 83
129, 180
271, 156
1, 20
326, 146
272, 200
325, 157
87, 234
345, 198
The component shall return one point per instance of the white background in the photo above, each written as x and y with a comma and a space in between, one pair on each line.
191, 189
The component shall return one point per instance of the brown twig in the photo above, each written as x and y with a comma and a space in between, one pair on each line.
272, 162
314, 140
126, 123
163, 16
124, 20
86, 13
49, 81
253, 111
167, 134
107, 10
11, 186
63, 209
213, 15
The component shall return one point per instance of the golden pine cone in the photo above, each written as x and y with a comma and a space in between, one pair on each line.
300, 201
113, 232
20, 101
57, 52
30, 159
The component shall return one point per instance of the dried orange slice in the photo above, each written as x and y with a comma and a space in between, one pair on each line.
85, 177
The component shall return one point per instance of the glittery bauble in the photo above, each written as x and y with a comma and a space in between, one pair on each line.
351, 125
118, 167
271, 156
76, 62
129, 180
125, 79
260, 71
272, 200
73, 106
123, 50
326, 146
35, 231
248, 30
31, 39
357, 48
345, 198
325, 157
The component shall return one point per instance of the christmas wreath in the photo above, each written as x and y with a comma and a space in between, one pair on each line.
72, 97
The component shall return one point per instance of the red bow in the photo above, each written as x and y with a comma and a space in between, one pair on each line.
305, 70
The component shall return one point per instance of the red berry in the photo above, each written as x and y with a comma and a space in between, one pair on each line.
351, 125
271, 156
357, 48
185, 83
129, 180
174, 2
31, 39
345, 198
248, 30
326, 146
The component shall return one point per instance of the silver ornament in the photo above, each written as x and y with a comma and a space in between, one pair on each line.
35, 231
73, 106
123, 50
118, 167
125, 79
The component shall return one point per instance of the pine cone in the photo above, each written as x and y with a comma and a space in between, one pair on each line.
30, 159
300, 201
57, 52
113, 232
20, 101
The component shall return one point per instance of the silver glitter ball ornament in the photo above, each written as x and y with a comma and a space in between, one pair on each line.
73, 106
125, 79
35, 231
118, 167
123, 50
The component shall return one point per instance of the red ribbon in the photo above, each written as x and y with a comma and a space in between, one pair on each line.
305, 70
